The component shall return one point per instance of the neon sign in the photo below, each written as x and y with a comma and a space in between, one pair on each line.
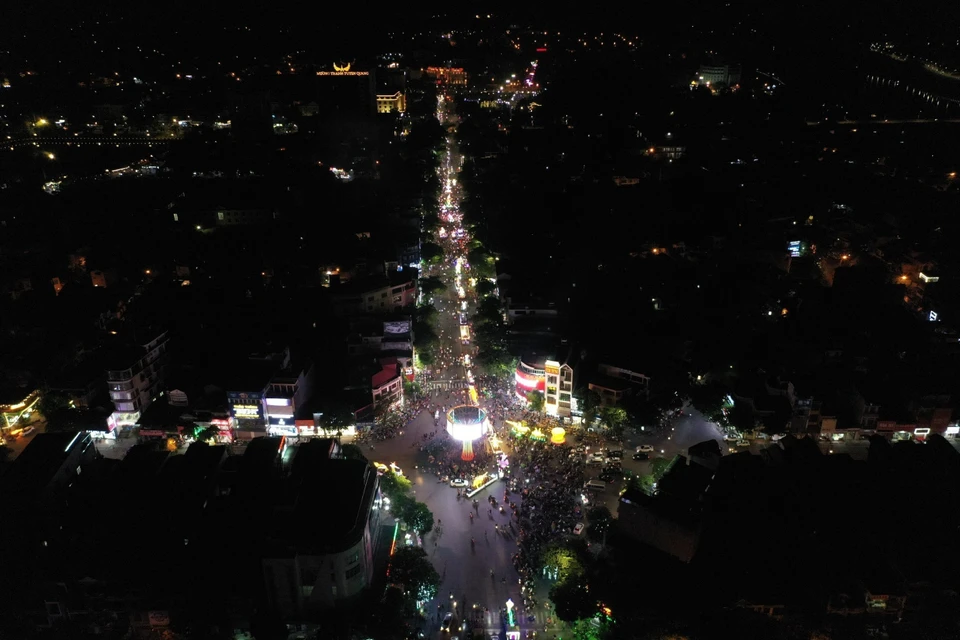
246, 410
342, 71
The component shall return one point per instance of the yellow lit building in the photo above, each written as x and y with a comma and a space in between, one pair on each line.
391, 102
448, 75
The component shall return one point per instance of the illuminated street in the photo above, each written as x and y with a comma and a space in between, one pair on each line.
465, 571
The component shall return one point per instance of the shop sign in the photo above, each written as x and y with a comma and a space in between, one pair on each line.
246, 410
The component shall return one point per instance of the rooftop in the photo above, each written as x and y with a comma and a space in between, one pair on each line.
348, 504
386, 374
36, 466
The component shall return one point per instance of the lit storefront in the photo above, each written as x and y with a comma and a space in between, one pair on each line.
280, 419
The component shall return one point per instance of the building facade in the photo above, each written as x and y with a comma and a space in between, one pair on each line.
454, 76
285, 393
383, 299
558, 389
306, 574
133, 388
391, 102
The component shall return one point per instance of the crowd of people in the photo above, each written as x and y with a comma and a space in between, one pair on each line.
552, 503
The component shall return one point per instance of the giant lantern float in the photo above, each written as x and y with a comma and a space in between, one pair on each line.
466, 424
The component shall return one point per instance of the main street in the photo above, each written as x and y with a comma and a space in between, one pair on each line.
481, 573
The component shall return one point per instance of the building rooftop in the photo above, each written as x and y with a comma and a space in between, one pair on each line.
610, 382
385, 375
345, 490
33, 469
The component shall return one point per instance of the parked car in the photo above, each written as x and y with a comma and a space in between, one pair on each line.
645, 448
641, 456
743, 443
28, 431
459, 482
615, 454
447, 621
577, 530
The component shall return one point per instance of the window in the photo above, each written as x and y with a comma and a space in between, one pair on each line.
176, 217
354, 559
219, 215
353, 572
383, 295
53, 609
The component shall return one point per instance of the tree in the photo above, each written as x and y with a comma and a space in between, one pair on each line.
708, 399
659, 466
741, 417
394, 486
431, 285
572, 599
536, 400
336, 416
592, 629
431, 252
412, 389
616, 419
642, 483
410, 567
415, 515
51, 402
485, 287
207, 434
565, 561
431, 222
426, 313
591, 403
489, 312
599, 518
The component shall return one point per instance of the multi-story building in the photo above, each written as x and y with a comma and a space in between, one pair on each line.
136, 377
311, 564
558, 389
384, 297
391, 102
549, 377
287, 391
712, 75
455, 76
387, 384
614, 383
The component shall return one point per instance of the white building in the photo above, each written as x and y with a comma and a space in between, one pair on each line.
134, 387
287, 391
558, 389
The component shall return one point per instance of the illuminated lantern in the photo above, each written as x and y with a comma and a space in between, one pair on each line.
558, 435
467, 423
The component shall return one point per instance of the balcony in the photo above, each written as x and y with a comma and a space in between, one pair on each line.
122, 375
